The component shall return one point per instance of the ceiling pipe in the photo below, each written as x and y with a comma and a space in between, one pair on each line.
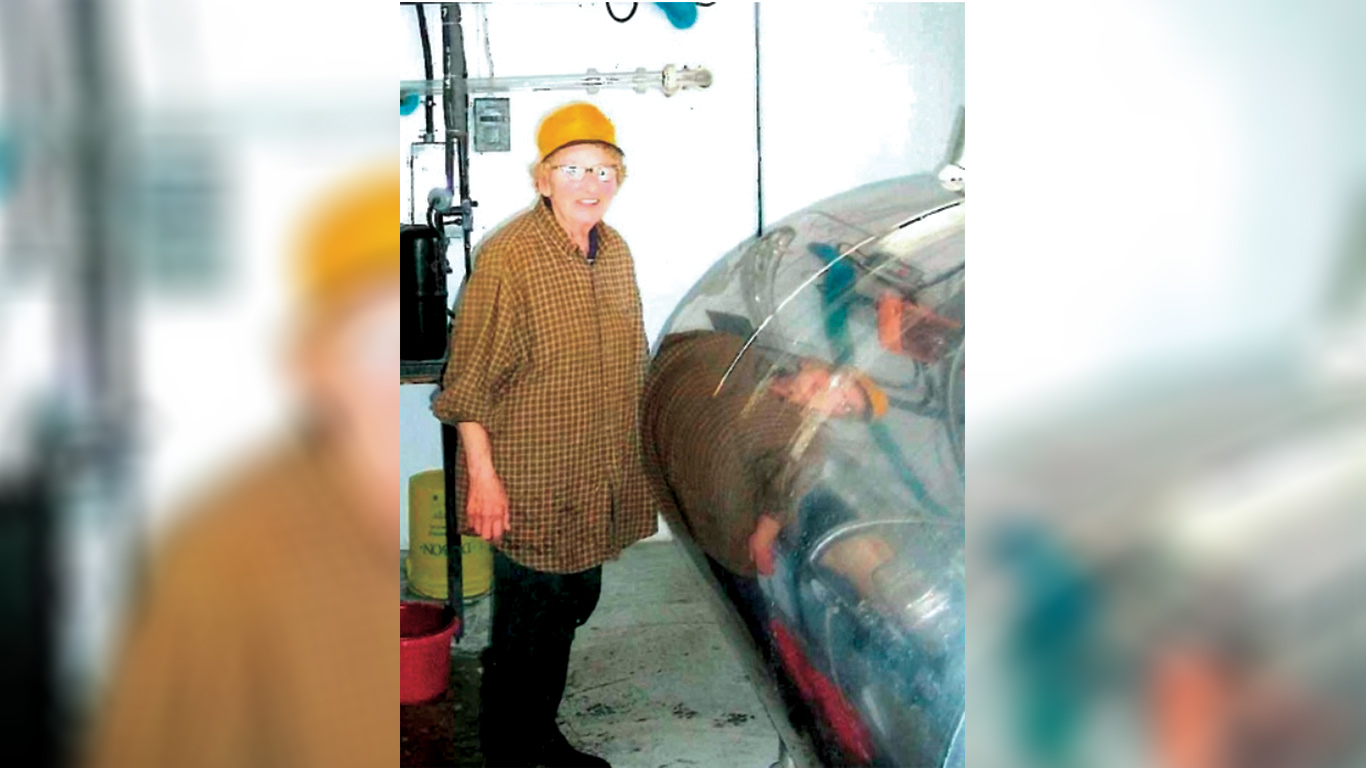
671, 79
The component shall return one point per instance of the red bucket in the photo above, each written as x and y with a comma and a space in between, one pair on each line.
425, 631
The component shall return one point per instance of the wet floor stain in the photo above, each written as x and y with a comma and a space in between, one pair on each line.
684, 712
444, 733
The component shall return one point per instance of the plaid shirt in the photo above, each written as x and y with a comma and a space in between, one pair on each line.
548, 354
266, 636
717, 460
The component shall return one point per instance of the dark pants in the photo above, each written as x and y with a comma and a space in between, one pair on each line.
535, 615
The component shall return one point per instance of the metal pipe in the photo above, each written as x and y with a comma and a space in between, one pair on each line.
455, 96
670, 80
62, 81
100, 500
449, 28
952, 173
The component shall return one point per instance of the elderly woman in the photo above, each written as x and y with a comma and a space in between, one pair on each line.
546, 366
264, 634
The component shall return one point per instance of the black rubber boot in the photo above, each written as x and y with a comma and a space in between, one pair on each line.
501, 747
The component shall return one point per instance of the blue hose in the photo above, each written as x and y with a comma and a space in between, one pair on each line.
835, 290
408, 103
681, 15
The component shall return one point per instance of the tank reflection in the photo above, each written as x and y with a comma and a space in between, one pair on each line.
803, 428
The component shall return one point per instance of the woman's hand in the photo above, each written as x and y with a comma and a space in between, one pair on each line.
487, 507
761, 544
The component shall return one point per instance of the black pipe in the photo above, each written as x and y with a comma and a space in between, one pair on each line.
622, 19
32, 713
455, 550
84, 456
101, 271
455, 96
449, 27
428, 101
455, 92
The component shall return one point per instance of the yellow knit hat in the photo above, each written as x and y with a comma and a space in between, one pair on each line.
348, 242
574, 123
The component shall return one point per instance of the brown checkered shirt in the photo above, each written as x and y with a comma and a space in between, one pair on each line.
266, 634
548, 354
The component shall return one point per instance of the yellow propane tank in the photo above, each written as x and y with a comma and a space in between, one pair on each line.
426, 566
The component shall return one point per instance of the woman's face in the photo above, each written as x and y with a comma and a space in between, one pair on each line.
345, 370
580, 204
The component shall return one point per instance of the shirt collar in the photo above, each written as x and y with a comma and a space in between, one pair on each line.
545, 217
344, 512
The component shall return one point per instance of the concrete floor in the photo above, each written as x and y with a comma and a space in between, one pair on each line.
652, 680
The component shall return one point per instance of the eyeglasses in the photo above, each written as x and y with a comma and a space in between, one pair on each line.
605, 173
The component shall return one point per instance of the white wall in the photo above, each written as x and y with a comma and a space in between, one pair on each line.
854, 93
284, 126
693, 158
1211, 117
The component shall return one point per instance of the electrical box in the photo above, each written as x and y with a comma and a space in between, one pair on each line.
492, 125
174, 211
